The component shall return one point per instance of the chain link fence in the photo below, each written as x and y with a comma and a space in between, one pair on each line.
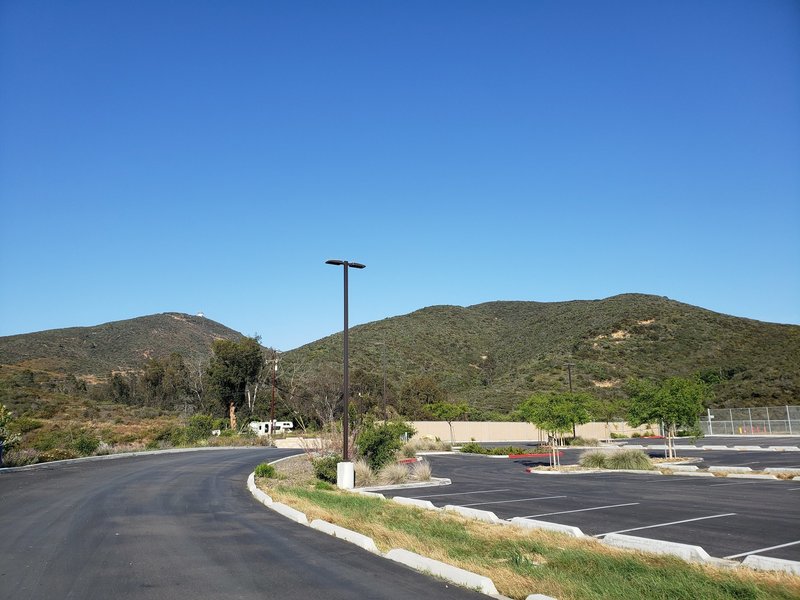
763, 420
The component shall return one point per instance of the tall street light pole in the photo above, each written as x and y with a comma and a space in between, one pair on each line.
346, 384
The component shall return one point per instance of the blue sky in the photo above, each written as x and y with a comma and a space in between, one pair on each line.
210, 156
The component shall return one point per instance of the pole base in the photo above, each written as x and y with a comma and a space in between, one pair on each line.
345, 475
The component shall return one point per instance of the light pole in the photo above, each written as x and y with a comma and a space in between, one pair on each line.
346, 384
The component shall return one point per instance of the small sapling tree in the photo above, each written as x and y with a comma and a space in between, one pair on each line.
675, 402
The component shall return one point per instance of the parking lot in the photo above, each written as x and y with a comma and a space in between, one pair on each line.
729, 518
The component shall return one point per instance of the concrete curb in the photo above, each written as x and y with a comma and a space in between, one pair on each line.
679, 468
439, 569
695, 474
539, 597
546, 525
781, 470
767, 563
423, 504
360, 540
784, 448
289, 513
257, 493
751, 476
369, 494
685, 551
730, 470
434, 482
476, 514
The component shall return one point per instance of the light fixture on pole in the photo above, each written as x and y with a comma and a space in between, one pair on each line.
346, 383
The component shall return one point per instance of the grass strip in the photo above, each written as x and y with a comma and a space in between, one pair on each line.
521, 562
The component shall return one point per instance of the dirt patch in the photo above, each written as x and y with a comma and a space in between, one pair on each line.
646, 322
607, 383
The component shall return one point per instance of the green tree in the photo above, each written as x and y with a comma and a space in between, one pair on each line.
449, 412
556, 414
675, 402
234, 366
418, 392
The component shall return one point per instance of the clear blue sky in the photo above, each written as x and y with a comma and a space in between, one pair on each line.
186, 156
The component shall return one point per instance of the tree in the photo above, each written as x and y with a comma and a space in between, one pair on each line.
233, 370
556, 414
675, 402
446, 411
418, 392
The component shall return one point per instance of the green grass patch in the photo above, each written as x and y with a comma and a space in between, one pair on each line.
522, 562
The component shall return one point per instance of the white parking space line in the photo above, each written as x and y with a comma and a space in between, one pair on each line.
737, 483
460, 493
508, 501
665, 524
762, 550
563, 512
792, 489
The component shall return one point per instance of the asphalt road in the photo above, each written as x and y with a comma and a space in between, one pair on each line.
177, 526
727, 517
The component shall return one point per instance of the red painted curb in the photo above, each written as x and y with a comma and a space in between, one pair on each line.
404, 461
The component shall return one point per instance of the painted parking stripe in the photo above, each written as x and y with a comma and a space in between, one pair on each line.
665, 524
507, 501
762, 550
461, 493
563, 512
739, 483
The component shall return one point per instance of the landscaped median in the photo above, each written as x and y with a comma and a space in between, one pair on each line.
518, 562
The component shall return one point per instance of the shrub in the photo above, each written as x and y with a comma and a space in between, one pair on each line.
265, 470
379, 444
364, 473
325, 467
25, 425
421, 471
636, 434
85, 443
579, 441
629, 459
618, 436
473, 448
20, 457
594, 459
393, 473
57, 454
199, 427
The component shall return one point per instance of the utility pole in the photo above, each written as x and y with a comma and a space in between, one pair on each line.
272, 406
569, 374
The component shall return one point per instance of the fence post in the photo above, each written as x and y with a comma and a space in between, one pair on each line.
750, 417
711, 429
733, 431
769, 424
789, 419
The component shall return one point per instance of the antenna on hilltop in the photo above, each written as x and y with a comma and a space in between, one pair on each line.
200, 314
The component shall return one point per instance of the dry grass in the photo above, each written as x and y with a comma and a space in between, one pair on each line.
521, 562
421, 471
393, 473
364, 474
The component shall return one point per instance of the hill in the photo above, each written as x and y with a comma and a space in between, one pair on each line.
495, 354
116, 346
